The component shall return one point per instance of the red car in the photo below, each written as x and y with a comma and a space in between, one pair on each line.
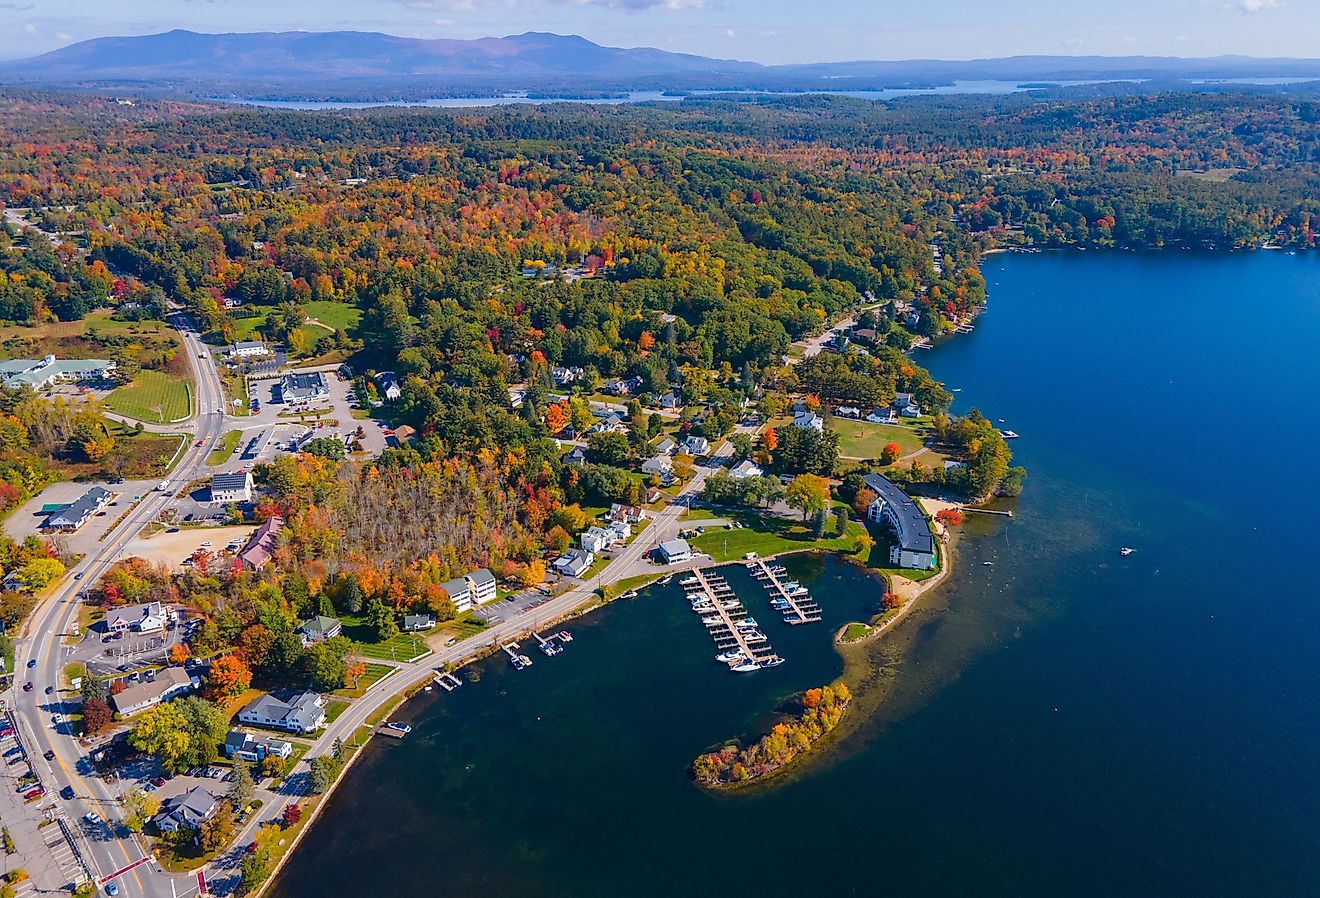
34, 793
198, 444
158, 781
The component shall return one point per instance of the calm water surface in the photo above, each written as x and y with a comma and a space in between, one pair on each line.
1064, 722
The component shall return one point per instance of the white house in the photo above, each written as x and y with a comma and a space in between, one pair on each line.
388, 386
914, 545
696, 445
253, 748
471, 589
882, 416
666, 446
633, 514
596, 539
188, 810
673, 551
303, 713
574, 562
661, 466
911, 411
809, 421
744, 469
235, 487
620, 530
148, 618
248, 349
169, 683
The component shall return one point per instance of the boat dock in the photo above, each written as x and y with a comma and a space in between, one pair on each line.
787, 597
1000, 512
383, 730
517, 660
446, 681
742, 646
550, 645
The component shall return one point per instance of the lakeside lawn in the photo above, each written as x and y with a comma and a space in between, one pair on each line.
228, 443
152, 397
773, 536
862, 439
333, 709
373, 674
402, 647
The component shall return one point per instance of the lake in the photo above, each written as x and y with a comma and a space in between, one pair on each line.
1064, 722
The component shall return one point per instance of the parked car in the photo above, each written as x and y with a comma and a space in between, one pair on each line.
34, 794
158, 781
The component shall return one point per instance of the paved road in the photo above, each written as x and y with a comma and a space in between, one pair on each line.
107, 850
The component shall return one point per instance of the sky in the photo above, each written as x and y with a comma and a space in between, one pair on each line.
766, 31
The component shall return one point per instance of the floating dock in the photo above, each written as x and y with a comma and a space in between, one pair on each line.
788, 597
446, 681
735, 634
383, 730
518, 661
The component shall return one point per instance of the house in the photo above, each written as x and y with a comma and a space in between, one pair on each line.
596, 539
611, 423
653, 495
744, 469
171, 682
574, 562
696, 445
75, 514
263, 543
576, 456
248, 349
902, 401
882, 416
303, 713
319, 629
631, 513
148, 618
235, 487
415, 622
565, 376
911, 411
620, 530
623, 387
847, 411
253, 748
387, 384
673, 551
405, 434
670, 402
666, 446
303, 386
661, 466
474, 588
188, 810
41, 373
809, 421
517, 397
864, 335
914, 545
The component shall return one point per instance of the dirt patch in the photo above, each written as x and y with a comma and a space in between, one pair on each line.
172, 548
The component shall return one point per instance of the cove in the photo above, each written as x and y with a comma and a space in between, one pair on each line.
1065, 721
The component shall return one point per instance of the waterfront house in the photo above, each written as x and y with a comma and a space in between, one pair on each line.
147, 618
302, 713
911, 411
188, 810
596, 539
474, 588
574, 562
319, 629
169, 683
673, 551
413, 623
914, 545
75, 514
235, 487
253, 748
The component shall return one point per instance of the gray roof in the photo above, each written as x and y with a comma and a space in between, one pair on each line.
913, 532
481, 576
169, 681
191, 808
303, 385
300, 711
675, 547
320, 625
77, 512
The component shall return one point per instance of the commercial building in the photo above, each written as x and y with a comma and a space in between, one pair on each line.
148, 618
674, 551
248, 349
235, 487
263, 543
475, 588
574, 562
303, 387
75, 514
915, 544
303, 713
41, 373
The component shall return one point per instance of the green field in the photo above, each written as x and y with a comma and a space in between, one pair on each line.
861, 439
337, 315
403, 647
773, 536
374, 673
333, 709
225, 448
152, 397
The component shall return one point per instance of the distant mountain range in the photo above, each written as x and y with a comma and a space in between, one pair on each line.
367, 62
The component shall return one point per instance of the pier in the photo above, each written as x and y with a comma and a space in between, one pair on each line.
996, 511
383, 730
742, 646
446, 681
801, 608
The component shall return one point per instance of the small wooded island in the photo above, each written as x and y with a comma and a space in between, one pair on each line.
731, 767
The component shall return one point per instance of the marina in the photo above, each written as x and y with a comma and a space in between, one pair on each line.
743, 647
789, 598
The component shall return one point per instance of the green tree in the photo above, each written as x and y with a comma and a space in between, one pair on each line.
139, 808
381, 620
809, 494
241, 790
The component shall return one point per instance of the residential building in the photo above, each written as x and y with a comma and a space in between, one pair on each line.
745, 469
319, 629
903, 400
253, 748
674, 551
620, 530
694, 445
248, 349
670, 402
471, 589
611, 423
911, 411
302, 713
75, 514
666, 446
882, 416
188, 810
565, 376
661, 466
576, 456
574, 562
914, 545
809, 421
171, 682
653, 495
596, 539
302, 387
387, 385
41, 373
263, 543
148, 618
415, 622
847, 411
235, 487
633, 514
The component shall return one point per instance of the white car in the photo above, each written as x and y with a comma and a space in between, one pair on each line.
93, 818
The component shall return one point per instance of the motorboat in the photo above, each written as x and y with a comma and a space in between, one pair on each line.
746, 622
745, 667
565, 636
1126, 551
1008, 434
399, 727
732, 657
772, 662
754, 636
517, 662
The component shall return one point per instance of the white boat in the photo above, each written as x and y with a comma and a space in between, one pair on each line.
730, 657
754, 636
399, 727
988, 563
565, 636
517, 662
1126, 551
745, 667
527, 662
747, 622
772, 662
1008, 434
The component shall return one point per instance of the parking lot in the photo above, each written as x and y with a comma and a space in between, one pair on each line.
503, 609
28, 518
337, 407
175, 545
106, 655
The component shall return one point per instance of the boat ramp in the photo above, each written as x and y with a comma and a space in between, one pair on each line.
743, 647
787, 597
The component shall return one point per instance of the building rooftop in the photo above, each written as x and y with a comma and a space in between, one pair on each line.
913, 532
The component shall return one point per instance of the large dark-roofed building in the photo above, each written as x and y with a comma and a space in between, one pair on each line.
915, 547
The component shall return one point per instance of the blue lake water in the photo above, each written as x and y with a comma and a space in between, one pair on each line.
1064, 722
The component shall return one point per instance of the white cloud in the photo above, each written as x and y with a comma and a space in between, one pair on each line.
30, 28
729, 32
1255, 6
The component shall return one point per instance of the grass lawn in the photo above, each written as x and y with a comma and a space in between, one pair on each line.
337, 315
245, 327
855, 631
374, 673
772, 536
403, 647
464, 626
153, 397
227, 444
636, 582
862, 439
333, 709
